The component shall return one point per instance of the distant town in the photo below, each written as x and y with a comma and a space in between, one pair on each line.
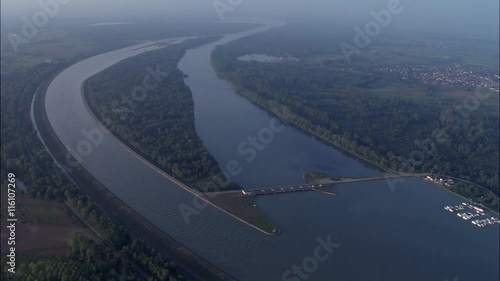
454, 74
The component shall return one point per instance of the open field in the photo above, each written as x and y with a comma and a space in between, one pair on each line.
316, 177
445, 96
43, 227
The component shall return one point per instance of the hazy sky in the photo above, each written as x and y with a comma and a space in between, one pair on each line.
455, 16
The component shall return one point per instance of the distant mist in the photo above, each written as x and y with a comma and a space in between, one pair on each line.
470, 18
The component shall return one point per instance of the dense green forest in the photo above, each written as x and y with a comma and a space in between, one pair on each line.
91, 260
344, 107
158, 123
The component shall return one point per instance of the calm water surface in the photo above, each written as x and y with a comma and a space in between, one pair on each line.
384, 235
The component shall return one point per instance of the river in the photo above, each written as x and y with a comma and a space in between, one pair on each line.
380, 233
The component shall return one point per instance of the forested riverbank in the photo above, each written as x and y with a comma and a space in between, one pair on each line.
157, 123
27, 159
119, 250
341, 106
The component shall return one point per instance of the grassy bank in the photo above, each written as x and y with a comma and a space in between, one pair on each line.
243, 207
291, 119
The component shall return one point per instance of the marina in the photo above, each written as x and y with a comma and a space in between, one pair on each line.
475, 212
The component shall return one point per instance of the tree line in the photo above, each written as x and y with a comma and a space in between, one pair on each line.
394, 133
157, 123
23, 153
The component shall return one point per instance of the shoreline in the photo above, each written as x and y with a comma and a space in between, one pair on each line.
189, 263
158, 170
242, 93
301, 128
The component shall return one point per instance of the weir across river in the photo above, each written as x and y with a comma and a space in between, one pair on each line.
321, 186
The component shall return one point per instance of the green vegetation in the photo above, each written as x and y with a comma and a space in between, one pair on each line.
311, 176
24, 155
88, 260
160, 125
243, 207
413, 128
40, 214
116, 254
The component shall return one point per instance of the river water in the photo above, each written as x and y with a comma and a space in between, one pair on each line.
381, 233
